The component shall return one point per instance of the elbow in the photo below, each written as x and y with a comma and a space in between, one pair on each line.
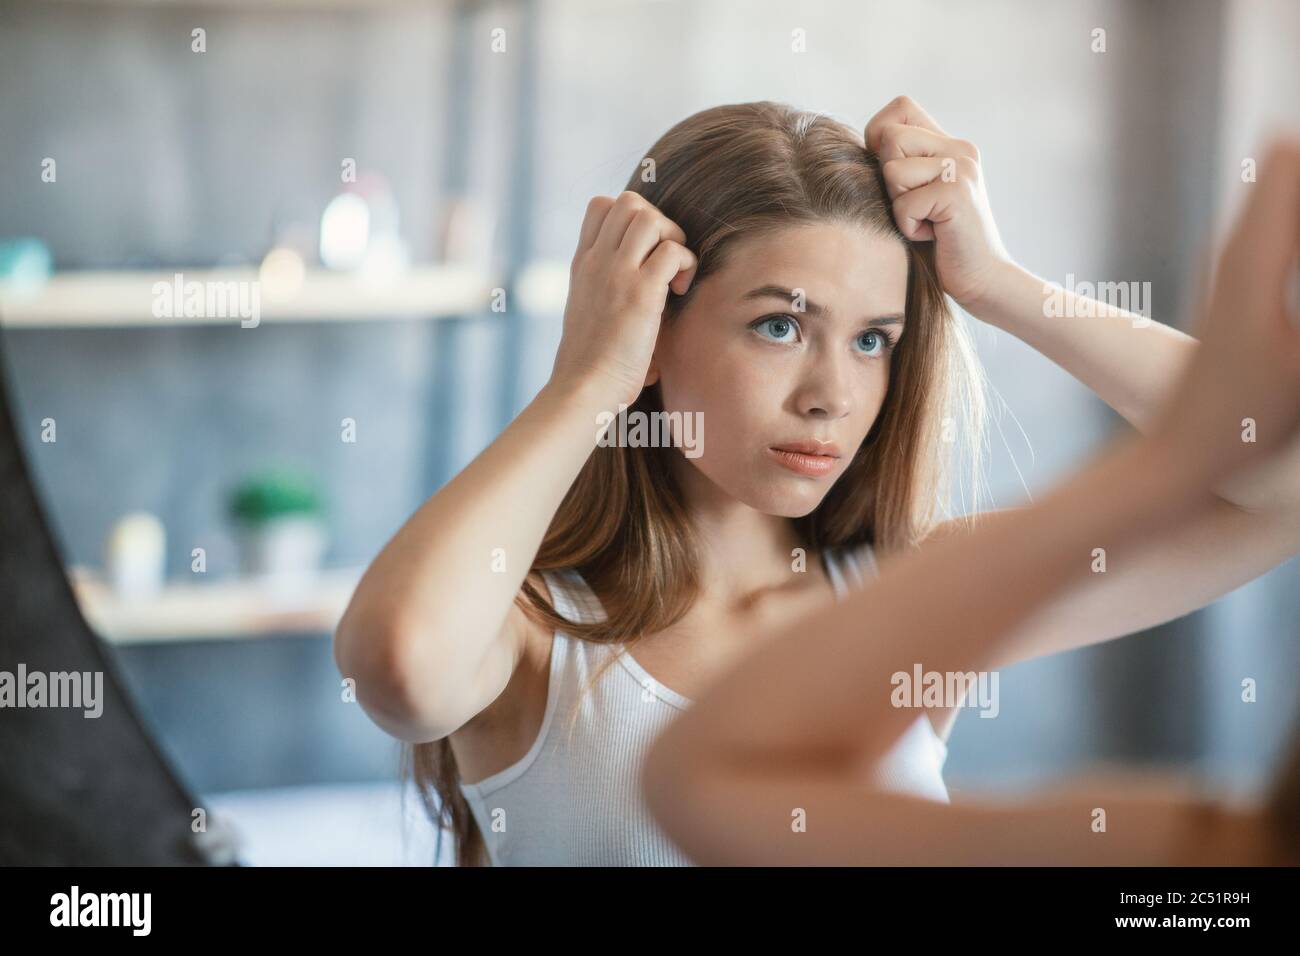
373, 656
364, 646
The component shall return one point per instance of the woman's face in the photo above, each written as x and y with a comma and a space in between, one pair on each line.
786, 385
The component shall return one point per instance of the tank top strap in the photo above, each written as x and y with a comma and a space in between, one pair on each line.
575, 601
835, 570
863, 560
572, 596
573, 660
850, 566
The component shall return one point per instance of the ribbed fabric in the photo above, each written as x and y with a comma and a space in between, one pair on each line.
574, 799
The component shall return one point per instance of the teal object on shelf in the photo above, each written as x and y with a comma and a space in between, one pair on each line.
25, 266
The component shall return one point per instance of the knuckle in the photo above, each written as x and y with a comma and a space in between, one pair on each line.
629, 198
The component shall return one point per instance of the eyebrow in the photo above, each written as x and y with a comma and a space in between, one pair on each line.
811, 307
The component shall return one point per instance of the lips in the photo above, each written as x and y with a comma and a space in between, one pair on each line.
811, 447
813, 459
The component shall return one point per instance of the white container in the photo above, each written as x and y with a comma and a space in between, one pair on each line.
284, 553
135, 555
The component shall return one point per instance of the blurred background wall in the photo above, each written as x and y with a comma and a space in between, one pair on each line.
1108, 166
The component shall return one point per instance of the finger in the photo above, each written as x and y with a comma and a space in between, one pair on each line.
898, 142
901, 110
626, 205
649, 227
915, 171
917, 211
671, 264
597, 209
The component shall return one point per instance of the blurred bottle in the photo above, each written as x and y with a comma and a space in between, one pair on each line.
135, 555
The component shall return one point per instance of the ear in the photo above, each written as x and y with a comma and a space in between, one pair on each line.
652, 371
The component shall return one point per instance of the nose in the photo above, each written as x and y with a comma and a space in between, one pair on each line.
825, 390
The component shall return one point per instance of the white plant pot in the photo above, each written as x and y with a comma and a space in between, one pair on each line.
285, 553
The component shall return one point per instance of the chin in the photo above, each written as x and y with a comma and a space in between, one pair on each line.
788, 502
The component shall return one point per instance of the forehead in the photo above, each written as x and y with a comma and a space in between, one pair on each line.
842, 266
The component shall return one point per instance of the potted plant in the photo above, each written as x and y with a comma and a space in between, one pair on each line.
279, 517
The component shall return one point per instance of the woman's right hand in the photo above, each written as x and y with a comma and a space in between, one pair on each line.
629, 255
1238, 403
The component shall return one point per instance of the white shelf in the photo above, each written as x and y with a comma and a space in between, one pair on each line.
116, 299
222, 608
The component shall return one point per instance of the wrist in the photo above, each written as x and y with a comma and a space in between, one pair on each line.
1007, 291
590, 394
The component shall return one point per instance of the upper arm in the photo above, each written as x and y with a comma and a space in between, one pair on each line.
427, 699
1149, 582
520, 636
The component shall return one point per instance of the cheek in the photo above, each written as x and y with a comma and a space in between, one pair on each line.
734, 396
696, 371
875, 391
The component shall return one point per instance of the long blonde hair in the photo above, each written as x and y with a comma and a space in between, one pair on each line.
726, 172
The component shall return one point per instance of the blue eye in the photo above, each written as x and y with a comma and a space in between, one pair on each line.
779, 325
883, 342
785, 329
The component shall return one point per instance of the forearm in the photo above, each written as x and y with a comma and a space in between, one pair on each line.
1129, 360
441, 578
740, 818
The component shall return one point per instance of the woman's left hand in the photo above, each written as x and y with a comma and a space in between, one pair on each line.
937, 189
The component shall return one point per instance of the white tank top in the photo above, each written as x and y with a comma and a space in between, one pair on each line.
575, 800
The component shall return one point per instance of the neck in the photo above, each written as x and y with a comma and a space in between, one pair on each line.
744, 553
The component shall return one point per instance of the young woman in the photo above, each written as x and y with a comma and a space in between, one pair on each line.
543, 617
768, 767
